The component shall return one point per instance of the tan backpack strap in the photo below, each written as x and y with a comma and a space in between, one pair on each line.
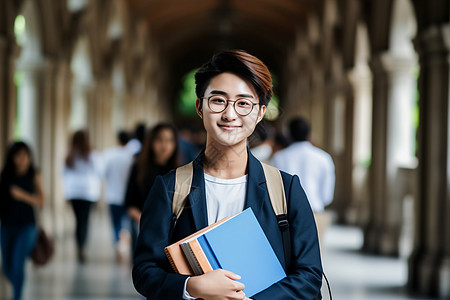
275, 188
183, 181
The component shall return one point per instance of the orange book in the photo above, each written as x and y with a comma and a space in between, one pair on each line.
200, 256
176, 256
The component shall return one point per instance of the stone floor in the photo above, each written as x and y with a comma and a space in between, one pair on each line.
352, 275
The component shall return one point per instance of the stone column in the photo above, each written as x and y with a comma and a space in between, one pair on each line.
7, 93
100, 115
399, 147
318, 103
392, 145
429, 264
377, 169
29, 106
340, 146
54, 126
361, 82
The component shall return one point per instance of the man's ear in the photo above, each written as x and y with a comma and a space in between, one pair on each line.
261, 113
198, 107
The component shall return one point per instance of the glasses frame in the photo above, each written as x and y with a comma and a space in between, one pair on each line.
234, 104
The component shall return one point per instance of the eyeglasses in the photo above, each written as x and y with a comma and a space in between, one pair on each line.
242, 106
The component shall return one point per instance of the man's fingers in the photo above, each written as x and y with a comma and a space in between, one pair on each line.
238, 286
239, 295
231, 275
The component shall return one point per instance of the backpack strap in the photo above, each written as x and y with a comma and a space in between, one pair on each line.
277, 196
275, 188
183, 181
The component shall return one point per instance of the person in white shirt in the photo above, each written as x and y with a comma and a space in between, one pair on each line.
117, 165
82, 184
313, 165
134, 145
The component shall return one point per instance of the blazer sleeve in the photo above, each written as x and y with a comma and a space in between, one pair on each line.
304, 275
152, 274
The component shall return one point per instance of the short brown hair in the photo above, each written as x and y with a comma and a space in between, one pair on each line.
241, 64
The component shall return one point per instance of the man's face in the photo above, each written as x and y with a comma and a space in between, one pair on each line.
228, 128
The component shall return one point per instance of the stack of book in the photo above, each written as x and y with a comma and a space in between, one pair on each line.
237, 244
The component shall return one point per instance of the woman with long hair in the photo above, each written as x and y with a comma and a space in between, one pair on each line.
20, 192
158, 156
82, 184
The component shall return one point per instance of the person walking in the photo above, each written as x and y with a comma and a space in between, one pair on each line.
233, 90
117, 164
314, 167
20, 193
82, 185
158, 156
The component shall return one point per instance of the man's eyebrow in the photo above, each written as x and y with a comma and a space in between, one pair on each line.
218, 92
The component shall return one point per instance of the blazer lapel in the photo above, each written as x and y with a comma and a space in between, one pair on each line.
197, 196
255, 197
256, 191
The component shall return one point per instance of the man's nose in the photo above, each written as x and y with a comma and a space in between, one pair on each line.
230, 113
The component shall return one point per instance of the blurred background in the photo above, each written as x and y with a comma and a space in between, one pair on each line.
372, 76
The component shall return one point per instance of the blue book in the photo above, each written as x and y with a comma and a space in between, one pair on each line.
239, 245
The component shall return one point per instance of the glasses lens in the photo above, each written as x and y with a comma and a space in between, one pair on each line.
217, 103
243, 106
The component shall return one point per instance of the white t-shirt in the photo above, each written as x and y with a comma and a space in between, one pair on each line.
224, 198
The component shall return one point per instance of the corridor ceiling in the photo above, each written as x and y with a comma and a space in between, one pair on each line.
196, 28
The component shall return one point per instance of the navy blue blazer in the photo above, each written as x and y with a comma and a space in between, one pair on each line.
153, 276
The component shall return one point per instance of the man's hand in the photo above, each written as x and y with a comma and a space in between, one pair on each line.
216, 285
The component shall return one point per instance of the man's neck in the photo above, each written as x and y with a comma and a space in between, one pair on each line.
225, 161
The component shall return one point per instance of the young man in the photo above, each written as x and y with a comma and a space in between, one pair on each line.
233, 90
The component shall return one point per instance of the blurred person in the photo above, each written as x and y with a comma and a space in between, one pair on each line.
188, 150
261, 142
314, 166
280, 141
20, 193
134, 145
82, 185
158, 156
233, 90
117, 163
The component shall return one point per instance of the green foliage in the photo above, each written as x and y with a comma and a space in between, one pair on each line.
19, 29
186, 103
